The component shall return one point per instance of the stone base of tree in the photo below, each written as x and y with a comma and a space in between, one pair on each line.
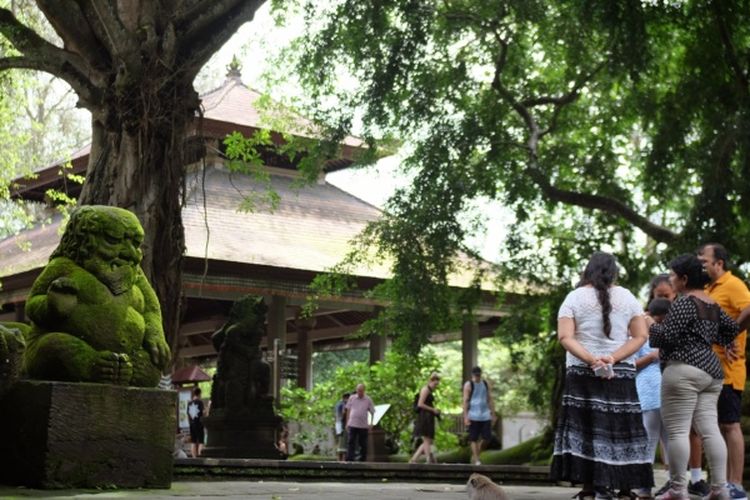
243, 435
81, 435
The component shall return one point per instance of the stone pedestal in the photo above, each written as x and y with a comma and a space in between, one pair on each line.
242, 436
376, 450
80, 435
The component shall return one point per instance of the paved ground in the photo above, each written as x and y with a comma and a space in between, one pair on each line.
280, 490
297, 491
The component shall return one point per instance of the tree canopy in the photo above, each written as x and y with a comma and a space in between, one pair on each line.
620, 125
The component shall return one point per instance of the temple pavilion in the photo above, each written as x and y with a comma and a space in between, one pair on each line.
229, 252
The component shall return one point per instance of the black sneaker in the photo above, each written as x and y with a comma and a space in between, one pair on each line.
699, 488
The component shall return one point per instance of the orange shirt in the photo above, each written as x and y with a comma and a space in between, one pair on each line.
732, 295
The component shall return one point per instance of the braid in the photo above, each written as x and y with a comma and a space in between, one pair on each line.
600, 273
602, 293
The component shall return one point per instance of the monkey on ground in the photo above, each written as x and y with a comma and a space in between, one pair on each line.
481, 487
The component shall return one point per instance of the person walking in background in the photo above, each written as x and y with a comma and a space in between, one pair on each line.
733, 297
479, 412
340, 426
195, 414
357, 408
692, 375
600, 440
648, 385
427, 413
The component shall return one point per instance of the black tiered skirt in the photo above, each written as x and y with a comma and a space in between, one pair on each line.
600, 438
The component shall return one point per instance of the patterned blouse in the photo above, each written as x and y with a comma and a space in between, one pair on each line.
689, 329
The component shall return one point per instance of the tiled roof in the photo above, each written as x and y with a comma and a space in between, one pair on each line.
236, 103
310, 230
30, 249
192, 373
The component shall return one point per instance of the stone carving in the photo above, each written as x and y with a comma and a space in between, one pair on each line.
95, 317
242, 422
12, 346
242, 377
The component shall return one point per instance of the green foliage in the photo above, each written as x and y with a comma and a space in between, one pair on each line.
617, 125
325, 363
38, 125
394, 381
244, 155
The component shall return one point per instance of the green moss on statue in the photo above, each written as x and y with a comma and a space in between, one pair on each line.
95, 317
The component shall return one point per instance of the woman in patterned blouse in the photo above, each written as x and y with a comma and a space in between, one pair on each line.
692, 375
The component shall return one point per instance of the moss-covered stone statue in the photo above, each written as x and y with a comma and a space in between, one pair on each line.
95, 317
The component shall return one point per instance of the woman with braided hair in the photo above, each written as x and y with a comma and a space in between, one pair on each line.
600, 440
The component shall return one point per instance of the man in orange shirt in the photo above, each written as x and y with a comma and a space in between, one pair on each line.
733, 296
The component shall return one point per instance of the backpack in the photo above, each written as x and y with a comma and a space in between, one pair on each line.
471, 392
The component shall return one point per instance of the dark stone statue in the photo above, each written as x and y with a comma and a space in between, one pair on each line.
242, 377
242, 422
12, 346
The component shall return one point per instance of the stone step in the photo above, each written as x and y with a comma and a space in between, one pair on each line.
247, 468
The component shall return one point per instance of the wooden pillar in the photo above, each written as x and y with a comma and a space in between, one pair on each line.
276, 331
377, 347
20, 310
469, 345
378, 343
304, 352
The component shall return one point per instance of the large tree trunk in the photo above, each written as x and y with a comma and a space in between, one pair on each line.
137, 162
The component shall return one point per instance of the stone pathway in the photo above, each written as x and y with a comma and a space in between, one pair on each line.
272, 490
287, 490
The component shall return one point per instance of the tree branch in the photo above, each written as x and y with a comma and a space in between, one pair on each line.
196, 16
69, 23
541, 179
569, 98
497, 84
121, 44
41, 55
740, 77
86, 91
603, 203
198, 45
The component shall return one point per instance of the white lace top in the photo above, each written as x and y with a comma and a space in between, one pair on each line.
583, 306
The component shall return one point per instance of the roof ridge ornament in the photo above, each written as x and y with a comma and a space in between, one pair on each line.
234, 70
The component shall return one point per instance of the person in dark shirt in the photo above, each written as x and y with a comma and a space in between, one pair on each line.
692, 374
195, 414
